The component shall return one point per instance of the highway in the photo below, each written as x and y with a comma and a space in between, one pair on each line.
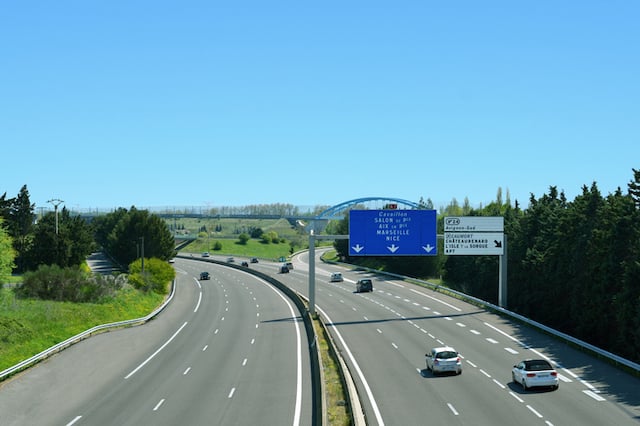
385, 334
227, 351
231, 351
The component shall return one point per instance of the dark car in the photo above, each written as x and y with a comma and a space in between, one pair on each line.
284, 269
245, 263
364, 285
254, 260
204, 276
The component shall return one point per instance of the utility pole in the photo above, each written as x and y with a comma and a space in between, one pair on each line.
56, 202
142, 252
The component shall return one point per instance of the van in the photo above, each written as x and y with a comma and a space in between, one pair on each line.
364, 285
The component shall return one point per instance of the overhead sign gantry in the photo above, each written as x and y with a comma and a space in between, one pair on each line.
390, 232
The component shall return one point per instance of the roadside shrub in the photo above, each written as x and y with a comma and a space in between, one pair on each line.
70, 284
157, 275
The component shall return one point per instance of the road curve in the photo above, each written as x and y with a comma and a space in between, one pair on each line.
385, 334
225, 351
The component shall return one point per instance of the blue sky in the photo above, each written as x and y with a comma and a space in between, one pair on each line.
227, 103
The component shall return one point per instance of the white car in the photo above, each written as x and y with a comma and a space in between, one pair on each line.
444, 359
535, 372
336, 277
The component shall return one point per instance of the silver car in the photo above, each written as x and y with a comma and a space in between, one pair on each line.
535, 372
336, 277
444, 359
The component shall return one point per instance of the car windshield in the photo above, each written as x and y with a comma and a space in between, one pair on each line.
537, 365
446, 355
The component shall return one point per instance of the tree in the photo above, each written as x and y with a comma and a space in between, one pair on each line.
5, 206
70, 246
244, 238
135, 231
7, 253
21, 220
342, 246
634, 187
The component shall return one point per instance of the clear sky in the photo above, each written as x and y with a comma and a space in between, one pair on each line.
227, 103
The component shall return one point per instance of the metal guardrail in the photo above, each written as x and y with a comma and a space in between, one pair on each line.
79, 337
577, 342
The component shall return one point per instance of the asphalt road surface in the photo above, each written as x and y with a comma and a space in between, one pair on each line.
226, 351
385, 334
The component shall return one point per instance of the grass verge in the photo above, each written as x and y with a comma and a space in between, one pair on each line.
29, 326
336, 398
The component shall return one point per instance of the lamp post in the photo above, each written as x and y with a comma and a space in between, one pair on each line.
56, 202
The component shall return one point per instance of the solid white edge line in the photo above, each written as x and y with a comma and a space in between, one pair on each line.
156, 352
455, 308
298, 407
198, 304
594, 395
372, 400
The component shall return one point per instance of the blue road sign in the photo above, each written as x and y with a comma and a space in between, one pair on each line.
392, 233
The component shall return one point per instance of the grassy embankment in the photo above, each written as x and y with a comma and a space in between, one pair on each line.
29, 326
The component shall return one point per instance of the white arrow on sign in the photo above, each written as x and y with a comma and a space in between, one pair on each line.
393, 248
428, 248
358, 248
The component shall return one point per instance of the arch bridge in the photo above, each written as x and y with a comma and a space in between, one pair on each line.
337, 212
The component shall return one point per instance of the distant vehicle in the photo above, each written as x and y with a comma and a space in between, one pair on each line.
364, 285
172, 260
284, 269
205, 254
535, 372
230, 259
204, 276
254, 260
444, 359
289, 265
245, 263
336, 277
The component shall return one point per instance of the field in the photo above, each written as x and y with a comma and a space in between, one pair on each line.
226, 233
229, 227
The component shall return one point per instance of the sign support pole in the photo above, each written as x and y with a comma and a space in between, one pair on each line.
312, 275
502, 276
312, 266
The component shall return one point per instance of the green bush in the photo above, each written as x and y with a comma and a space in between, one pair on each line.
157, 275
70, 284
